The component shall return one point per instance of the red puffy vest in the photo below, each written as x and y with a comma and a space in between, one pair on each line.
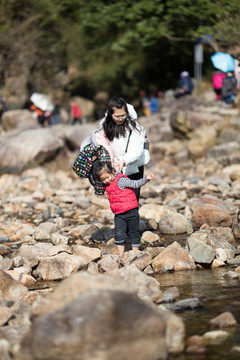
120, 200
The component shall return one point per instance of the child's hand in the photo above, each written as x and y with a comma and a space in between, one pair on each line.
150, 176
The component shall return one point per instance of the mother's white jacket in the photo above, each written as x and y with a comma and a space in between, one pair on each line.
136, 155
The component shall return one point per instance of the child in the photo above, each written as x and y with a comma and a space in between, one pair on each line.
123, 203
76, 112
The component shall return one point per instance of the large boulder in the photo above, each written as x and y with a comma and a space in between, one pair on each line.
175, 223
185, 122
98, 324
202, 139
75, 135
87, 106
174, 257
10, 288
157, 130
201, 252
91, 317
59, 266
209, 210
27, 149
154, 211
22, 119
33, 254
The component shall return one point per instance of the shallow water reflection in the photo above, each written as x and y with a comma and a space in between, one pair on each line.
218, 295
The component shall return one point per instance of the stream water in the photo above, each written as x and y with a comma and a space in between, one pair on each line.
218, 295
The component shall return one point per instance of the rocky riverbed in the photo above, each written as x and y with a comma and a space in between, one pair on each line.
65, 293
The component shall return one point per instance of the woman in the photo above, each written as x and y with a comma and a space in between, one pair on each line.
217, 81
127, 140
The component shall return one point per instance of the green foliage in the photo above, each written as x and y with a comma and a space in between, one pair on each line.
119, 46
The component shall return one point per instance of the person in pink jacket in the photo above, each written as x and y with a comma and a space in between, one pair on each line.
123, 203
217, 79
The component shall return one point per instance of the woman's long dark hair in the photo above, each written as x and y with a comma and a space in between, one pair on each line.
111, 129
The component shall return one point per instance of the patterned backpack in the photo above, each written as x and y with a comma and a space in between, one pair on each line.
84, 163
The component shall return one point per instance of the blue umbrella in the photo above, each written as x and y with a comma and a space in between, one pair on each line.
223, 61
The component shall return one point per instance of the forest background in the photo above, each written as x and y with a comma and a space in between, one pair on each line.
121, 47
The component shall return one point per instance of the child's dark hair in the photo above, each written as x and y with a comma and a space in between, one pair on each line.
101, 166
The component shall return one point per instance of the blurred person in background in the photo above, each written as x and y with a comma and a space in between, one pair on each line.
75, 112
229, 88
3, 107
153, 104
55, 118
185, 85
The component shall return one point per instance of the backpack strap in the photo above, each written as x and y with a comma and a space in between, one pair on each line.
130, 132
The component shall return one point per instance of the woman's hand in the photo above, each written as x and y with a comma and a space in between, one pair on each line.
150, 176
119, 165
